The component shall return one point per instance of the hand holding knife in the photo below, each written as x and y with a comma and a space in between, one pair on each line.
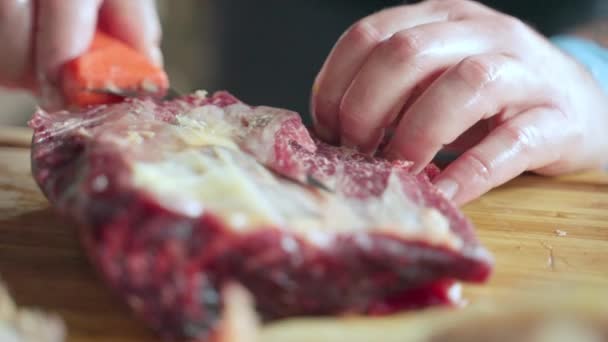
109, 71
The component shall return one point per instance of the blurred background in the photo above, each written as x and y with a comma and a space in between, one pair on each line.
268, 52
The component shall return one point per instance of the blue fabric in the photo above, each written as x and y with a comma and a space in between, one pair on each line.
588, 53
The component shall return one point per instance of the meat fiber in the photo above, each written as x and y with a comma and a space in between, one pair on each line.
177, 199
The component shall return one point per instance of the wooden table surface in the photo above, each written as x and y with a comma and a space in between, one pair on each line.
543, 233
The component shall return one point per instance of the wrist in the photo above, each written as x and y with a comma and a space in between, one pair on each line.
589, 53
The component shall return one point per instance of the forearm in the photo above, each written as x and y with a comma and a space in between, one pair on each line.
588, 44
597, 32
596, 57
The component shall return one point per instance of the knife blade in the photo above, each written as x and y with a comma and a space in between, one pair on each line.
110, 71
125, 93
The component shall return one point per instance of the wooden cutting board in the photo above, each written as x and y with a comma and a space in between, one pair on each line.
544, 233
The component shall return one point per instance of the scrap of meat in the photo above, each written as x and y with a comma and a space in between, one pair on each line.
176, 199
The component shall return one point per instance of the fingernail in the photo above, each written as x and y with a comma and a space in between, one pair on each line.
347, 142
49, 96
374, 139
417, 168
47, 76
321, 129
312, 102
448, 187
390, 153
315, 86
323, 132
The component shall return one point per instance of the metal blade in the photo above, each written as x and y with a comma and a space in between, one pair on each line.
311, 180
170, 95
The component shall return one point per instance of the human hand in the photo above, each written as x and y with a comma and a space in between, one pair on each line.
39, 36
457, 74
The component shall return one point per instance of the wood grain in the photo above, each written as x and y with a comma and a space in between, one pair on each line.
43, 265
15, 136
41, 259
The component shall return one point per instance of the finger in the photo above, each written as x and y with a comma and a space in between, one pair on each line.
475, 89
394, 69
136, 22
16, 24
347, 56
353, 48
525, 142
65, 30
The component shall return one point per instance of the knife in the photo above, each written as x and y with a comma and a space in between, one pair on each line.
110, 71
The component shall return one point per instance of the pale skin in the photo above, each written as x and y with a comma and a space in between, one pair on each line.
39, 36
458, 74
443, 73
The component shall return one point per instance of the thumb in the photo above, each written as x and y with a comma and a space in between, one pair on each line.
135, 22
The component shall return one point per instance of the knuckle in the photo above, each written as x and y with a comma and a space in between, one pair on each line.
363, 32
518, 136
477, 72
455, 9
405, 46
448, 4
478, 166
512, 24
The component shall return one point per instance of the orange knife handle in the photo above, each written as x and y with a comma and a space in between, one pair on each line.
109, 64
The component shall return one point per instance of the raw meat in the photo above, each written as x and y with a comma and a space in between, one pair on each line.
177, 199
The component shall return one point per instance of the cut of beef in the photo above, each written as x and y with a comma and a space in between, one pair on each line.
176, 199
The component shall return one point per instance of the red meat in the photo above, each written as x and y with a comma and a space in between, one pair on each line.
176, 199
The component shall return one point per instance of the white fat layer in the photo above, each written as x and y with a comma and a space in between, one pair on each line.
213, 131
215, 175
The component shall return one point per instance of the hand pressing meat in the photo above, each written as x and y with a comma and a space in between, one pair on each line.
39, 36
459, 75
